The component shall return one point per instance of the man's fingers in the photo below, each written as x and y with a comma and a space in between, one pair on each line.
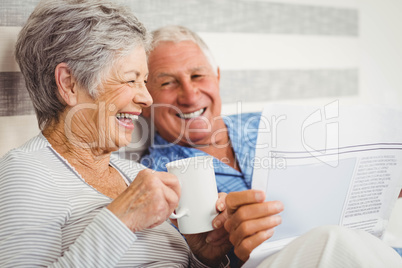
251, 212
217, 236
236, 199
247, 245
220, 220
221, 202
250, 228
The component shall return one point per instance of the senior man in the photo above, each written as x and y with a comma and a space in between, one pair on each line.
184, 84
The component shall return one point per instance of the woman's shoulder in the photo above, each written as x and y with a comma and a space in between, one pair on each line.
26, 167
27, 149
25, 156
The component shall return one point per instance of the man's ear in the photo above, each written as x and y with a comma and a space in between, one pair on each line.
66, 85
218, 74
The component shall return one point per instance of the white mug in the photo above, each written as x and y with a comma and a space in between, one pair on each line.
197, 204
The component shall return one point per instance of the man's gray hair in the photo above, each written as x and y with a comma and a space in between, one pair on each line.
88, 35
176, 33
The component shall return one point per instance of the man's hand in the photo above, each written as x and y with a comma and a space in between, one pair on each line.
148, 201
250, 220
211, 247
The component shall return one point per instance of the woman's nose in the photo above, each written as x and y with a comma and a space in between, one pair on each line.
143, 97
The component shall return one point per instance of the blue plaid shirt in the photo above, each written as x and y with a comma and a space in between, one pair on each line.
243, 130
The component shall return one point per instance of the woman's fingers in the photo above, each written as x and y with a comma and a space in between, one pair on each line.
171, 190
148, 201
170, 181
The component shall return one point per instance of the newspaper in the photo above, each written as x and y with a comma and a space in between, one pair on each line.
330, 165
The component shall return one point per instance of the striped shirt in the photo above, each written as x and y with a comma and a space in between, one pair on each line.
50, 217
243, 130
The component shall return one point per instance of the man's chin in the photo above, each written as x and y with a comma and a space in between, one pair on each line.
197, 141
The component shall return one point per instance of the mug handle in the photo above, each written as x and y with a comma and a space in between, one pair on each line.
181, 213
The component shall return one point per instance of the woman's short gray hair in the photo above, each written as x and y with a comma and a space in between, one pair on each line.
177, 33
88, 35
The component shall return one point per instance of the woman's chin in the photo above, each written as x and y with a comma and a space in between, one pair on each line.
114, 145
124, 141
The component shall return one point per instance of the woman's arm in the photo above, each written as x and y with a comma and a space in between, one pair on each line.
33, 216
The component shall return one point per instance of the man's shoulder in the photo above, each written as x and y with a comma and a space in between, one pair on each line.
239, 121
157, 157
245, 115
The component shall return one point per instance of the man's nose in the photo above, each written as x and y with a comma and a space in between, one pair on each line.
188, 93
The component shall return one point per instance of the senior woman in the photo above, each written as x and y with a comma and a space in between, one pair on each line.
65, 201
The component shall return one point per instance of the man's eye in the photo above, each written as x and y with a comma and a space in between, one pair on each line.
168, 85
194, 76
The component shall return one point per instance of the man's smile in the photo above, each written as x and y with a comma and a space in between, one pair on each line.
191, 115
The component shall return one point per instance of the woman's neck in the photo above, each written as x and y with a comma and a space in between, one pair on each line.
76, 151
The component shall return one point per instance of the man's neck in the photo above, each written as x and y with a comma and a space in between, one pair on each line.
221, 148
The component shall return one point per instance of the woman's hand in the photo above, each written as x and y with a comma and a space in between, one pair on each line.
211, 247
250, 220
148, 201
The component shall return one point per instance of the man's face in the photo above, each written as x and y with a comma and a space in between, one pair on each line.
185, 90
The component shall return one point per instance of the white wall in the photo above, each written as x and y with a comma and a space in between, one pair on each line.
378, 55
381, 51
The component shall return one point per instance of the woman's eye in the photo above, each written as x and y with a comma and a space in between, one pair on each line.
131, 83
165, 84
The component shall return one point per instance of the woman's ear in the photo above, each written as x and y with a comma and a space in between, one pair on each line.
66, 84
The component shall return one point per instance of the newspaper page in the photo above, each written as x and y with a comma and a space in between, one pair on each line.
330, 165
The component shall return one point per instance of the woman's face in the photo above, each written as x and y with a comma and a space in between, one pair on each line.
107, 122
